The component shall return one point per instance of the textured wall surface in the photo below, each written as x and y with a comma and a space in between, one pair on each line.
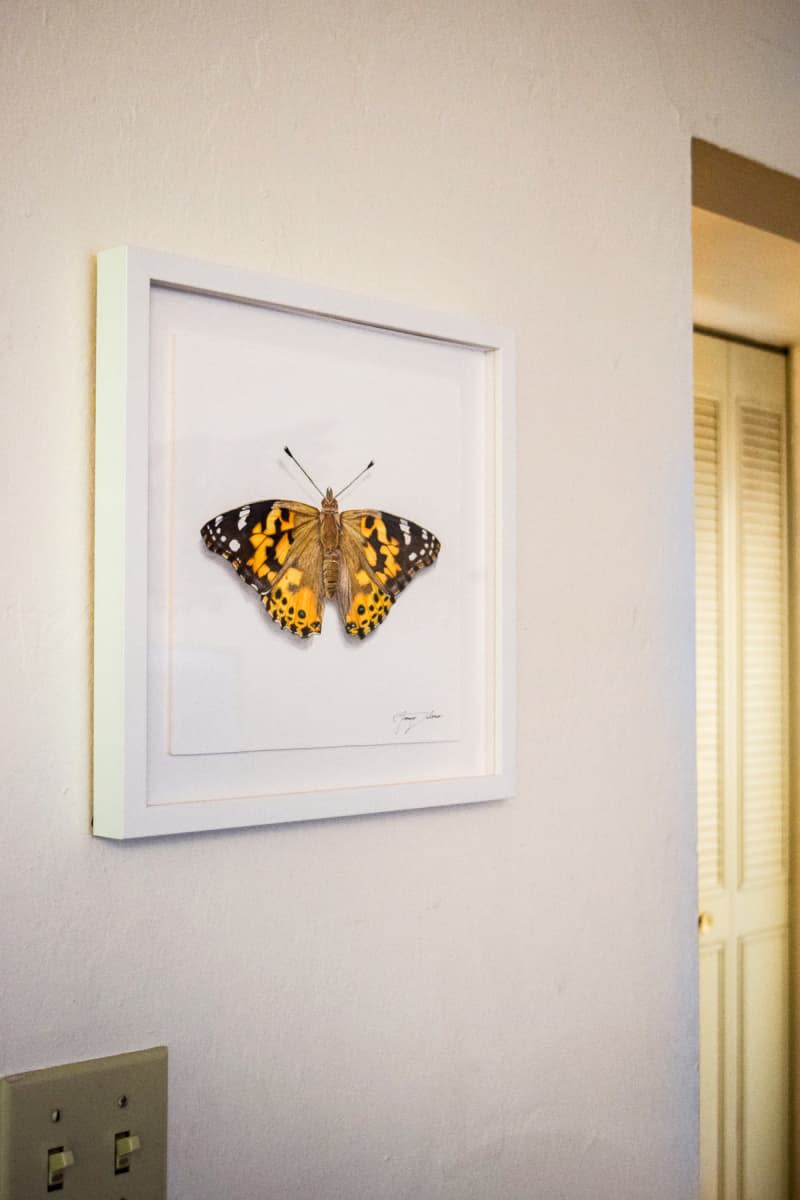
496, 1001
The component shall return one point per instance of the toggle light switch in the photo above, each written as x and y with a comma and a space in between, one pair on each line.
125, 1144
58, 1159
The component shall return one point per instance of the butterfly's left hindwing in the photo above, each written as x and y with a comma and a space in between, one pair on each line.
274, 545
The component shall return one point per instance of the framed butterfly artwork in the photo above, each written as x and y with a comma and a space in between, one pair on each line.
304, 552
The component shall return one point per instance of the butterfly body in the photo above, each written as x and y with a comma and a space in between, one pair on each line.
296, 557
329, 535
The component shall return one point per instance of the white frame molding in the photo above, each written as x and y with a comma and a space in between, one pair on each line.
126, 276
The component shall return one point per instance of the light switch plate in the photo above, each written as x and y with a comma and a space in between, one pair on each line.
80, 1110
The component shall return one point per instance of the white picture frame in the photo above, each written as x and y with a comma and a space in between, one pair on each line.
206, 714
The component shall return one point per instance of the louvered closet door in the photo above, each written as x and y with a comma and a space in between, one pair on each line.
742, 762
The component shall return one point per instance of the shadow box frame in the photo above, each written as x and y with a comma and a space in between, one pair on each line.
140, 786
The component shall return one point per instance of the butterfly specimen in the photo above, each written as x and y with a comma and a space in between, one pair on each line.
296, 557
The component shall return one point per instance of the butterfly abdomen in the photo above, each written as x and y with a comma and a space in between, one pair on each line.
329, 538
331, 568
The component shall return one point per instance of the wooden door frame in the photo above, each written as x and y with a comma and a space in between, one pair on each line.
746, 191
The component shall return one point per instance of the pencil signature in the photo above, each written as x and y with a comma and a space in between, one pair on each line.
405, 721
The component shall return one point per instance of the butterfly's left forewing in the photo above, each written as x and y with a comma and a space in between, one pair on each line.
381, 555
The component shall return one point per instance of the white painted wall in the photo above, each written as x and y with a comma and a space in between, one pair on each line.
496, 1001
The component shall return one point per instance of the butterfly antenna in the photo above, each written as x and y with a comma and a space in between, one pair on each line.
371, 463
302, 468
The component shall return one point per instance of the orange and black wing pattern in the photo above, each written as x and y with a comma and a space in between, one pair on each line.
274, 546
381, 555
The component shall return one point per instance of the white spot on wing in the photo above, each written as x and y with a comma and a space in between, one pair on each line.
234, 545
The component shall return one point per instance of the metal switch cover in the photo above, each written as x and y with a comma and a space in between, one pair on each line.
92, 1130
